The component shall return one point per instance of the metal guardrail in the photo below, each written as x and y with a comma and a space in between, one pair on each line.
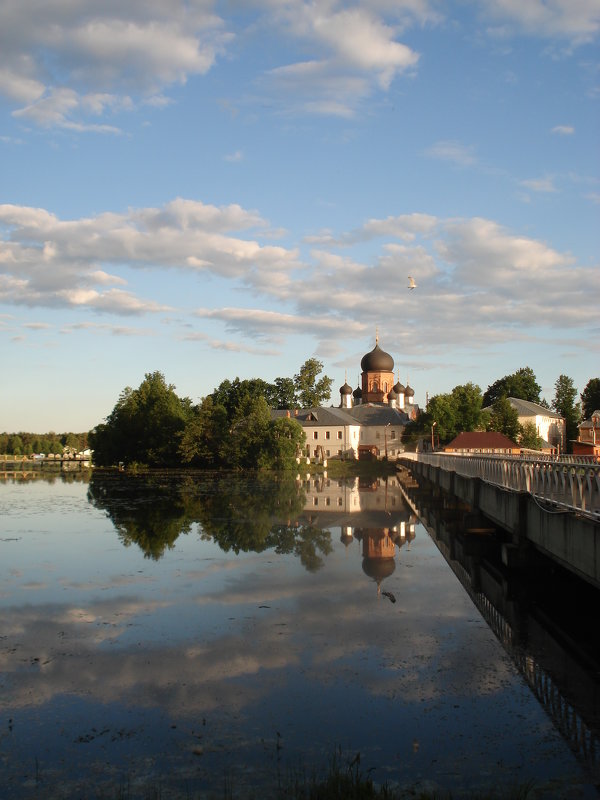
572, 482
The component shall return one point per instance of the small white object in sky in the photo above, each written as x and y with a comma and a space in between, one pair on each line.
411, 283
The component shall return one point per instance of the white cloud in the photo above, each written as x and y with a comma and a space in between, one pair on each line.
455, 152
59, 58
48, 261
577, 21
545, 184
563, 130
235, 157
37, 326
258, 322
477, 281
354, 52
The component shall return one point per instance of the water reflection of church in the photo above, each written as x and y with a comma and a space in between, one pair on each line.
373, 513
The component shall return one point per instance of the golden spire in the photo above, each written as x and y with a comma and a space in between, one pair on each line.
376, 335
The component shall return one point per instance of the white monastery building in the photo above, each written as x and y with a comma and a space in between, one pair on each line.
369, 421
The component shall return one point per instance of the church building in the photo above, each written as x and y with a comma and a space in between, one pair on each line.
369, 421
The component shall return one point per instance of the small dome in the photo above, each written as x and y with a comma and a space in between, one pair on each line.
345, 389
392, 394
399, 388
408, 391
357, 393
377, 361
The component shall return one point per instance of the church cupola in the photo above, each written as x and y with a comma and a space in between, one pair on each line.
377, 375
346, 395
400, 391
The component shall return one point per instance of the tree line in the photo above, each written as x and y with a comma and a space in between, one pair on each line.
466, 408
230, 428
26, 444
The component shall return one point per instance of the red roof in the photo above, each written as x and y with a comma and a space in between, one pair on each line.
481, 440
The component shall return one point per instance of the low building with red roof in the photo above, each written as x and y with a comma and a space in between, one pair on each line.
482, 442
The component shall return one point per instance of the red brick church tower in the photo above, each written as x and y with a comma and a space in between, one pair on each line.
377, 375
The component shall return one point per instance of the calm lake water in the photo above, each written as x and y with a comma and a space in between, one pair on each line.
186, 633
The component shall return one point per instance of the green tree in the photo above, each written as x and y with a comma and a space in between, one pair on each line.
145, 426
442, 411
505, 419
311, 392
468, 402
590, 398
564, 403
205, 434
233, 394
521, 384
284, 393
248, 435
451, 413
530, 439
284, 441
15, 445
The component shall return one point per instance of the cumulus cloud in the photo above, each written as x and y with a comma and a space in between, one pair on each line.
60, 59
61, 263
478, 281
354, 52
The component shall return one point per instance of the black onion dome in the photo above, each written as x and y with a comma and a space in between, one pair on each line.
345, 389
357, 393
392, 393
408, 391
399, 389
378, 568
377, 361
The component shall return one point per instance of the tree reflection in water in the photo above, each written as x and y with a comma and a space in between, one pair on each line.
239, 513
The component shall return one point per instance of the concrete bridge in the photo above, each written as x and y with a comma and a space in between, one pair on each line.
560, 669
552, 505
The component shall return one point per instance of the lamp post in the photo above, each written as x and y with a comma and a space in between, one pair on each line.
432, 442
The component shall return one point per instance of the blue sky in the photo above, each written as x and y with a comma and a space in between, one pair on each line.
216, 190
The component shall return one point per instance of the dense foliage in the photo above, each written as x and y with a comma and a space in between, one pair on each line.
230, 428
145, 426
465, 409
590, 398
505, 419
521, 384
450, 414
564, 403
304, 390
26, 444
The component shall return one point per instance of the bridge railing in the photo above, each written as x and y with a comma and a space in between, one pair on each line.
571, 482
